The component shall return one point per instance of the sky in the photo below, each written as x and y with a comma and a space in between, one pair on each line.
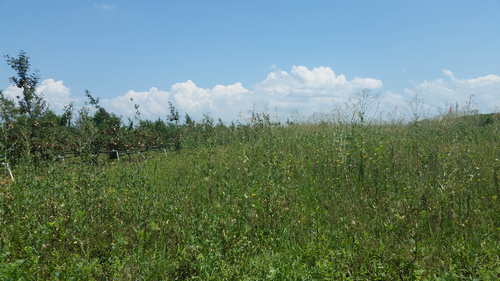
223, 57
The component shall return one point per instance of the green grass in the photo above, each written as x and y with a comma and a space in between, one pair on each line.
310, 202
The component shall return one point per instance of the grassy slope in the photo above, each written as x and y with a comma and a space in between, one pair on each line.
305, 201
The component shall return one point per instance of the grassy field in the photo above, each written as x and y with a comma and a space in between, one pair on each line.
302, 202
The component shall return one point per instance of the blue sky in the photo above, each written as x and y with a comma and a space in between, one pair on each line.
223, 56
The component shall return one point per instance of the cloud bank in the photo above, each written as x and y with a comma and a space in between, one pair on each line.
302, 89
443, 92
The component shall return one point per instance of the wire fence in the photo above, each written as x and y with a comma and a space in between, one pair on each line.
69, 155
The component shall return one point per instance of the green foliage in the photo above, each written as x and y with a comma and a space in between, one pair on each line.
308, 201
30, 103
340, 196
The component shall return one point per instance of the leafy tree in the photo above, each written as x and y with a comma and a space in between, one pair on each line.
67, 115
30, 103
189, 120
174, 114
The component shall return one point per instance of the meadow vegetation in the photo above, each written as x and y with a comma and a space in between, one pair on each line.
340, 197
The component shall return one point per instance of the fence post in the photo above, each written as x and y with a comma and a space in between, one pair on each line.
7, 165
117, 155
141, 153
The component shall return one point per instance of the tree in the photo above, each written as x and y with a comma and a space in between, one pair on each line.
174, 114
30, 103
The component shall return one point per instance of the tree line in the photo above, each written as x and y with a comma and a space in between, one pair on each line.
32, 132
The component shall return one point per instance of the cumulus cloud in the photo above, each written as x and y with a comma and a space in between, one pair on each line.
13, 92
186, 97
308, 90
192, 98
54, 92
442, 92
481, 82
389, 100
318, 82
437, 88
153, 103
301, 89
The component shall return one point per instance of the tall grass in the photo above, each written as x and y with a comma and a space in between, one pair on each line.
303, 201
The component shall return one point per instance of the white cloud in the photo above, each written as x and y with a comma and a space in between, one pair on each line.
437, 88
152, 104
105, 6
389, 100
55, 93
320, 81
13, 92
308, 90
487, 81
302, 89
192, 98
230, 94
440, 92
186, 97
